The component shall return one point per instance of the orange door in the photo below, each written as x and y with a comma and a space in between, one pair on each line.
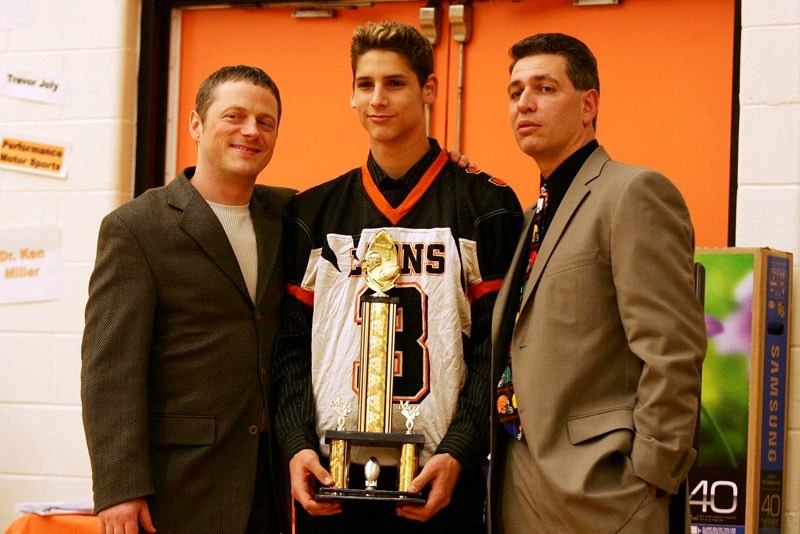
666, 71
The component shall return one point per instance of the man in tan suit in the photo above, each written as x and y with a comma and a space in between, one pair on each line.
182, 314
599, 352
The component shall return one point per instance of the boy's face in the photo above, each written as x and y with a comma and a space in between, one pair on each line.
388, 98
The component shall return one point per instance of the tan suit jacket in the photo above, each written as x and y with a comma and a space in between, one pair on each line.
176, 358
607, 352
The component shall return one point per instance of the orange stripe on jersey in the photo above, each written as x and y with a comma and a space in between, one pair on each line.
304, 296
484, 288
396, 214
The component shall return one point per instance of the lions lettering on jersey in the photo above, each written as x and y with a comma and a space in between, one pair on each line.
414, 258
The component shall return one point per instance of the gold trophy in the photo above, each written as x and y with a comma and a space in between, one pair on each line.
376, 374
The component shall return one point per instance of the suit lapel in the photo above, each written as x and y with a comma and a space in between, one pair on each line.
268, 226
577, 191
507, 292
200, 222
505, 307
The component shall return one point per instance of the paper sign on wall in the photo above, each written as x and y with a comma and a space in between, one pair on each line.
30, 262
23, 83
37, 155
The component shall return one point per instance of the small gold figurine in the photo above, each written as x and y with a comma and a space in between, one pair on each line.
410, 413
342, 410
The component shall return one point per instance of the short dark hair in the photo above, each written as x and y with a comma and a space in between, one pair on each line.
581, 63
233, 73
398, 37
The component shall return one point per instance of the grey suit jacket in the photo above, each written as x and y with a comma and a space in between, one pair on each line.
607, 351
176, 358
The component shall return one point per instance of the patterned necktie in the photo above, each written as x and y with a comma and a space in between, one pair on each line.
507, 408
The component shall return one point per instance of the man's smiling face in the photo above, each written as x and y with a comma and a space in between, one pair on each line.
237, 137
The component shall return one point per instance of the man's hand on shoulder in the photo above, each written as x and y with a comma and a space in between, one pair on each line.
441, 472
462, 160
305, 470
125, 517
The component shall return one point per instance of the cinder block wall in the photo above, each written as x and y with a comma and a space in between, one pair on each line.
768, 208
92, 45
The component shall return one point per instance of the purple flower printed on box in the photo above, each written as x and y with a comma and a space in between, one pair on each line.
733, 334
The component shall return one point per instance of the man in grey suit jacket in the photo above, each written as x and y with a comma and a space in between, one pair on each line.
180, 323
606, 338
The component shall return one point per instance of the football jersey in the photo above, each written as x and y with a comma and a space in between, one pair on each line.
445, 233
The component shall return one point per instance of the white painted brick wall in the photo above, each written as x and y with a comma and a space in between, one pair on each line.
770, 55
93, 46
770, 13
776, 161
768, 201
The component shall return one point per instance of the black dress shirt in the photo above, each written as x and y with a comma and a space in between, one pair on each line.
395, 191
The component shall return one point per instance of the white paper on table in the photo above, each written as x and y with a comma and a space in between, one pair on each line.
78, 506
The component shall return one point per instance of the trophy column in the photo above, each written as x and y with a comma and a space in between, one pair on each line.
376, 363
340, 448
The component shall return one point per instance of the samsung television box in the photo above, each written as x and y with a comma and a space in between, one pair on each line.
736, 485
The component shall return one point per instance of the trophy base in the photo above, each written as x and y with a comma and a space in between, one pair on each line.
337, 494
371, 439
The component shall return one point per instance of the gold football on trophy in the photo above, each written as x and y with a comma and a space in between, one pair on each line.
379, 266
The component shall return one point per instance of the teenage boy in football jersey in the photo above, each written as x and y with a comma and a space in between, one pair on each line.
454, 232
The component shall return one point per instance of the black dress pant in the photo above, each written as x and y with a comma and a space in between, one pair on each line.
464, 514
263, 516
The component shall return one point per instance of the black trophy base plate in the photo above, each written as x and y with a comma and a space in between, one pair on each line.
340, 494
374, 439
